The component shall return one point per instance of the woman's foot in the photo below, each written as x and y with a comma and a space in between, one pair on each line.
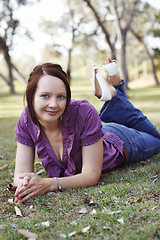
102, 89
111, 68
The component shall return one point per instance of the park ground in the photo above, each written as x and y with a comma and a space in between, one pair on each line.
123, 206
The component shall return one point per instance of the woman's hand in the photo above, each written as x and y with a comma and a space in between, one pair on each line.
31, 185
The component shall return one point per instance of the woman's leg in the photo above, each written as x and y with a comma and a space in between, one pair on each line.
119, 109
140, 145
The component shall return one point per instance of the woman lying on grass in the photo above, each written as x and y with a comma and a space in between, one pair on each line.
68, 136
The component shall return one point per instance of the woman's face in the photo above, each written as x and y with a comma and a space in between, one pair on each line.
50, 99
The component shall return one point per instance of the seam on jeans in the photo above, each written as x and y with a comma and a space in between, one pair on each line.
104, 109
131, 142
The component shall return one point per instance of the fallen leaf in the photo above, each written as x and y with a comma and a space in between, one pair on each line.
93, 212
154, 180
72, 234
120, 220
139, 199
86, 200
108, 211
39, 171
75, 204
106, 228
46, 224
28, 234
92, 203
4, 167
153, 208
74, 223
114, 198
83, 210
143, 162
84, 230
18, 211
37, 163
10, 200
62, 235
11, 187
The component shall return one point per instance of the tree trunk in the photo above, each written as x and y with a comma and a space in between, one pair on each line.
123, 60
104, 30
140, 39
5, 49
69, 65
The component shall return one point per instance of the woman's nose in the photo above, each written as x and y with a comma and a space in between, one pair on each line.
53, 102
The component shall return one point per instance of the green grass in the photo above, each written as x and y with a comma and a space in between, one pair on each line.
132, 190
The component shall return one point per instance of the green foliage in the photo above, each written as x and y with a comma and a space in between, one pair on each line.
130, 194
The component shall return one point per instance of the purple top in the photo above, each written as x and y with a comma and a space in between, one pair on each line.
80, 126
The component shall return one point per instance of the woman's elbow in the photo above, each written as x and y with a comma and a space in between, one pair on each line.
94, 177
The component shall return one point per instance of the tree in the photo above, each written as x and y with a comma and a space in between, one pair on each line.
124, 13
148, 17
101, 23
8, 26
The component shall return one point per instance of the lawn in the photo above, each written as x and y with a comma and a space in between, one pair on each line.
124, 204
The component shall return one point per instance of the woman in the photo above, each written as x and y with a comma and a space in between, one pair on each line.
67, 134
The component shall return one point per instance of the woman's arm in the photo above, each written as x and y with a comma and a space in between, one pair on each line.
25, 156
92, 157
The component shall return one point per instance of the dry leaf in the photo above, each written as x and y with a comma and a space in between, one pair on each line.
120, 220
84, 230
18, 211
92, 203
28, 234
62, 235
37, 163
75, 204
86, 200
4, 167
108, 211
46, 224
74, 223
11, 187
93, 212
39, 171
10, 200
139, 199
143, 162
72, 234
83, 210
106, 228
114, 198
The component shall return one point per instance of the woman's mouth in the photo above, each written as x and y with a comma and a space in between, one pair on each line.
52, 113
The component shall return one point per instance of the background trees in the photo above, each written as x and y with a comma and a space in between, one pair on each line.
8, 26
88, 29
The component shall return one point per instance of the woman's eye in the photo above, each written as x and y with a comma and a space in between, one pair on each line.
44, 96
61, 97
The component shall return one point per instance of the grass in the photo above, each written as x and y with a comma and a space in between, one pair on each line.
130, 194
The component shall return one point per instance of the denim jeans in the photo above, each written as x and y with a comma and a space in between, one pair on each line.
138, 134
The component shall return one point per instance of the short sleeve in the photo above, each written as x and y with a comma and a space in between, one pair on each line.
92, 129
22, 131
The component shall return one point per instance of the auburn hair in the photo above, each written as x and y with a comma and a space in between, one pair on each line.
39, 71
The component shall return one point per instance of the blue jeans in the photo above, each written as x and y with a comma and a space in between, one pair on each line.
138, 134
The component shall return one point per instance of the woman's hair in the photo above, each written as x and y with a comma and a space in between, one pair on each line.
39, 71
